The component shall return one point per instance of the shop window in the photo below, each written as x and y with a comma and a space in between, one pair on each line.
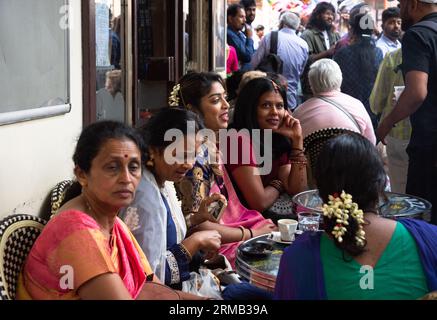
34, 59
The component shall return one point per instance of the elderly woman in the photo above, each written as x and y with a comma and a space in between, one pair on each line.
86, 251
330, 108
360, 255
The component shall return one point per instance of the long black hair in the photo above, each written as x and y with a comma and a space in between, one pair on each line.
153, 132
315, 18
245, 114
364, 48
350, 163
95, 135
195, 85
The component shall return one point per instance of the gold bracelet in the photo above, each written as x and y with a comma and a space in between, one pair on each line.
186, 252
302, 163
243, 234
278, 185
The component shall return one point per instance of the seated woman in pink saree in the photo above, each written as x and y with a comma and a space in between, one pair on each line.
86, 251
205, 94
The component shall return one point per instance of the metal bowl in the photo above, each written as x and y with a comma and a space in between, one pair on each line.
392, 205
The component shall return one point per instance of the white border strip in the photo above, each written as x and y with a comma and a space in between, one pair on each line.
31, 114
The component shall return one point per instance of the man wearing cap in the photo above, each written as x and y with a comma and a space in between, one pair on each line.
419, 99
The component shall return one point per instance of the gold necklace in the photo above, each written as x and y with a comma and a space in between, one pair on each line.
91, 213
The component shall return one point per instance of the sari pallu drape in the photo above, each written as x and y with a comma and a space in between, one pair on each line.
74, 239
300, 275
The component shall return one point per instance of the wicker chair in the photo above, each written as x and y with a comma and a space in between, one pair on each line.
57, 195
17, 235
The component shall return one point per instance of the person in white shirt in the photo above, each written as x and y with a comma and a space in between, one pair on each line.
391, 26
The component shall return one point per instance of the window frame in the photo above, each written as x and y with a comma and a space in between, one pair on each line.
33, 113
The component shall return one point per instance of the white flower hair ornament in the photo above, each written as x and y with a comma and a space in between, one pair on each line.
173, 99
340, 208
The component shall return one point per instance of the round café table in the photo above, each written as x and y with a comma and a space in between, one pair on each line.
392, 205
261, 271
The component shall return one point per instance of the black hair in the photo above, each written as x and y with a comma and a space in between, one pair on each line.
364, 48
153, 132
392, 12
196, 85
233, 9
315, 21
248, 3
350, 163
232, 84
245, 114
357, 9
95, 135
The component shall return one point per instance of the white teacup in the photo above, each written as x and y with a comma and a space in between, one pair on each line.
287, 228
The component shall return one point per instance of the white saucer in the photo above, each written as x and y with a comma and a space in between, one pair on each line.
276, 236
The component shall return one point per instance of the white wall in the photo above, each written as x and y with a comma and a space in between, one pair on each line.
35, 155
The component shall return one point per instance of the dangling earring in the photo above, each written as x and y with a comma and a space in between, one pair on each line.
150, 163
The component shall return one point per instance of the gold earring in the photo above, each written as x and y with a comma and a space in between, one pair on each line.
150, 163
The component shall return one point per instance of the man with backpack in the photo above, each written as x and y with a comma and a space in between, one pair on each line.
285, 53
419, 98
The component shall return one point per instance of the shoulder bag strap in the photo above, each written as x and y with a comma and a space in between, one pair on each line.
347, 113
274, 42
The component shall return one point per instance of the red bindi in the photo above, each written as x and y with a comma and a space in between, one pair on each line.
125, 155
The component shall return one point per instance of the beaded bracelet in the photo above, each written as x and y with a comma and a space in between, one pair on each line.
278, 185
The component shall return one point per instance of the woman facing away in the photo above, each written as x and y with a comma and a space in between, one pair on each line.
155, 217
261, 105
359, 62
205, 94
86, 251
360, 255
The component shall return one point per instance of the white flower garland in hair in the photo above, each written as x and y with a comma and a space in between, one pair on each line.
341, 208
173, 99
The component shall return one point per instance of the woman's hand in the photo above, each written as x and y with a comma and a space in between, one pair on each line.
209, 241
264, 230
203, 215
290, 128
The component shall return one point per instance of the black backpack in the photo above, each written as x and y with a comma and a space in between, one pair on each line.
272, 62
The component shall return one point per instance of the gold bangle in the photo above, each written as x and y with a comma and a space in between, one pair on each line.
302, 163
243, 234
186, 252
251, 233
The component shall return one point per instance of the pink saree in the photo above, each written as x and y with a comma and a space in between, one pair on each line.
72, 250
236, 215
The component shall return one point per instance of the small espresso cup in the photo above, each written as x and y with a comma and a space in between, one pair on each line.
287, 228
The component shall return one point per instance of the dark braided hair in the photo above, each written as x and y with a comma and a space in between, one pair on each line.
351, 163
